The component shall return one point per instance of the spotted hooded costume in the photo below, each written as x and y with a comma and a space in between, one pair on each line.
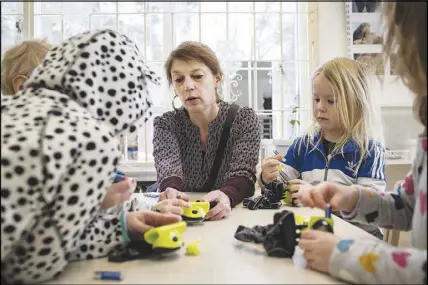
60, 147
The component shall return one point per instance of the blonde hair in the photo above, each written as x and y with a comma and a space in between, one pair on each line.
21, 59
357, 112
406, 32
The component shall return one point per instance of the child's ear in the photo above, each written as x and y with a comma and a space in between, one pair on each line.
17, 82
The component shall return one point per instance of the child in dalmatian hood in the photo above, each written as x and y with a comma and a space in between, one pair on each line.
60, 149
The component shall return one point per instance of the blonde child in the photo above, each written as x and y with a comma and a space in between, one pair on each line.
369, 261
344, 142
18, 63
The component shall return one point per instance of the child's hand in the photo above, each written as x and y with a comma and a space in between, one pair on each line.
119, 193
171, 193
340, 197
171, 206
317, 247
294, 184
270, 168
142, 221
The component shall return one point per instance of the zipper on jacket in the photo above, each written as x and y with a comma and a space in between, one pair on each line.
327, 162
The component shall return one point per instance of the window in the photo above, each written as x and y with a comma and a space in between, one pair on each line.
266, 49
12, 14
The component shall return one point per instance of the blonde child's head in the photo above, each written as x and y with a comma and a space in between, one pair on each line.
18, 63
406, 36
343, 108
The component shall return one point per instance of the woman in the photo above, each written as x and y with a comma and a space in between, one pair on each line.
60, 150
369, 261
186, 139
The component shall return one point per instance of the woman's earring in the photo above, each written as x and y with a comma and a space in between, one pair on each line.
217, 94
21, 87
173, 105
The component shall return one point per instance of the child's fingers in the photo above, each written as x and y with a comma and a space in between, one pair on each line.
172, 210
272, 163
180, 203
304, 197
318, 199
277, 156
268, 177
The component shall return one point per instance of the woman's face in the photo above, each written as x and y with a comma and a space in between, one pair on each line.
195, 84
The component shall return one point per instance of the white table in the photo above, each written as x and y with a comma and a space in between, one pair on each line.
223, 259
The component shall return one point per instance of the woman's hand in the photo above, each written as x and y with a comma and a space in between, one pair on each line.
270, 168
140, 222
222, 209
317, 248
171, 193
171, 206
119, 193
340, 197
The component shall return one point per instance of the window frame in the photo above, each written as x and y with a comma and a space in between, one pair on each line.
304, 112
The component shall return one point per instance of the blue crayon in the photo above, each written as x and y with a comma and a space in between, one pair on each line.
328, 211
108, 275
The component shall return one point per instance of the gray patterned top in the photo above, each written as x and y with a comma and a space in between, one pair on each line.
179, 155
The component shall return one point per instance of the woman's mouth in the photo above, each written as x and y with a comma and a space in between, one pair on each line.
192, 100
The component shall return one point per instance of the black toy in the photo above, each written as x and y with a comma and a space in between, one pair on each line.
280, 238
271, 197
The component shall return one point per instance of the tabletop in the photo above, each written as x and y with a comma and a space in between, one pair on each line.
223, 259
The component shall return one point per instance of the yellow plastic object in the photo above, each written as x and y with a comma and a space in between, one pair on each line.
193, 248
301, 220
287, 198
321, 224
197, 211
315, 223
168, 237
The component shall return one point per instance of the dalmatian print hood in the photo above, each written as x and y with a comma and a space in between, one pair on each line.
104, 72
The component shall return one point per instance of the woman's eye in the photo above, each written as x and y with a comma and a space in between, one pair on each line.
178, 79
317, 99
198, 77
331, 102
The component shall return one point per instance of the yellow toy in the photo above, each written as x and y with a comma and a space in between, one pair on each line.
289, 189
193, 248
316, 223
196, 212
166, 238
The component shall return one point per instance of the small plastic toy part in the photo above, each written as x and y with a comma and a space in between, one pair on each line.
272, 194
280, 238
288, 200
196, 212
193, 248
321, 223
108, 275
166, 238
212, 203
119, 177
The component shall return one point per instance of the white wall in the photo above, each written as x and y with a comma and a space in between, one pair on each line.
331, 31
395, 99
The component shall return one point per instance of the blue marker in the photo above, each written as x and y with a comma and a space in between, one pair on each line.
119, 177
328, 211
107, 275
